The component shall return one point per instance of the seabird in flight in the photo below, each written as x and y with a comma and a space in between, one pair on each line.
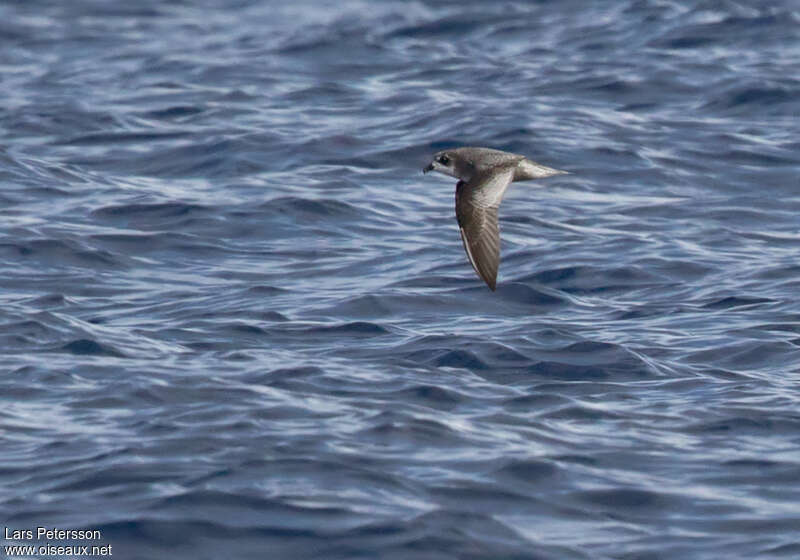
483, 176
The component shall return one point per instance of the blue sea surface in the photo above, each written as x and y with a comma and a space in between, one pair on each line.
236, 320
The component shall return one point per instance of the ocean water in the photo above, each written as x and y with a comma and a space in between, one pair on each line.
236, 321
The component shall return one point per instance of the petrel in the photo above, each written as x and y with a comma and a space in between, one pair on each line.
483, 176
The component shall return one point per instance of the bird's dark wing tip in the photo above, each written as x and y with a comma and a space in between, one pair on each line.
483, 254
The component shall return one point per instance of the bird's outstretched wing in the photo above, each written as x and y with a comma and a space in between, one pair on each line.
477, 202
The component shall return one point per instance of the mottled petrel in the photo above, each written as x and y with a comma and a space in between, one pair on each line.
483, 176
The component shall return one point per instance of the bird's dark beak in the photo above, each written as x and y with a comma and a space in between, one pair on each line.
428, 168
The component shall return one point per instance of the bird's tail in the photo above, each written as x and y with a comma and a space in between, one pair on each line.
528, 169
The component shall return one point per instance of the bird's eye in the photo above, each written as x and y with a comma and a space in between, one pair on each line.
444, 160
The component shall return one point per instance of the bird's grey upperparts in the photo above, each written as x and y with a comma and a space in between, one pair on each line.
483, 176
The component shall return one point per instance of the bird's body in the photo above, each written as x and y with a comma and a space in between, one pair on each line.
483, 177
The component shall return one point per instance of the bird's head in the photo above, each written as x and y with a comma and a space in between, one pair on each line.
450, 163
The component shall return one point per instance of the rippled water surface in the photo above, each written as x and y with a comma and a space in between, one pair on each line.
238, 322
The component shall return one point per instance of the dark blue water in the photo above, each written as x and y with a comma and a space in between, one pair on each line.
238, 322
